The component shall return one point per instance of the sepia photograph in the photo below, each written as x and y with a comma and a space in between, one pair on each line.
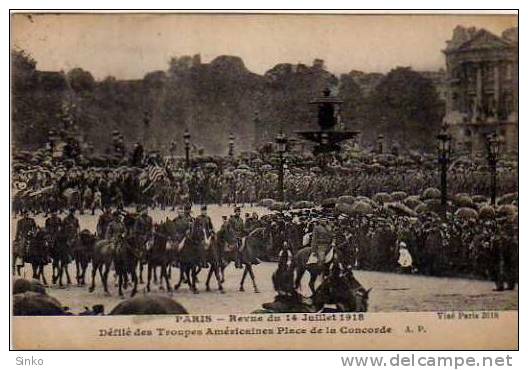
253, 180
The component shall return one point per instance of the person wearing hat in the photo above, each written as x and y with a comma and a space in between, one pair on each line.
322, 237
142, 228
183, 221
71, 227
236, 226
116, 229
53, 226
70, 230
26, 228
97, 200
104, 220
203, 226
405, 259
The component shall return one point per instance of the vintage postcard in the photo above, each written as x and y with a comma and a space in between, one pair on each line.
264, 180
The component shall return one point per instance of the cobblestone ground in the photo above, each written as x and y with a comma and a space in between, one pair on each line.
390, 291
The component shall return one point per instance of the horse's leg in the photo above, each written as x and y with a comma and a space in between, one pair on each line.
194, 276
135, 282
42, 274
34, 269
222, 270
313, 278
65, 267
54, 271
177, 286
252, 275
243, 278
60, 271
84, 266
197, 272
120, 283
125, 279
217, 276
141, 273
165, 275
299, 275
209, 274
94, 272
149, 276
154, 272
104, 277
78, 272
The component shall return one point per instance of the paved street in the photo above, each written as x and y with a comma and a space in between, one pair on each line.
390, 291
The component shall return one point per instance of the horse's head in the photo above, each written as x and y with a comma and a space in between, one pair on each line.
361, 297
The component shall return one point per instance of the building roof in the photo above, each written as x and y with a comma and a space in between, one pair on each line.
470, 39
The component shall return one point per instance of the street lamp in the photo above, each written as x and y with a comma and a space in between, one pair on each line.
187, 143
281, 142
379, 141
231, 145
493, 153
444, 151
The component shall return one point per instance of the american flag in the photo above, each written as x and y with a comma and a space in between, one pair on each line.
152, 175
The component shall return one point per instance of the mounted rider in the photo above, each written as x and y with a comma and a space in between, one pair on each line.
71, 228
26, 228
53, 227
104, 220
142, 228
203, 227
116, 229
236, 226
322, 239
183, 222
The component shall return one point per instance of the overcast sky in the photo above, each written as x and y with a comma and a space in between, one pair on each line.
129, 45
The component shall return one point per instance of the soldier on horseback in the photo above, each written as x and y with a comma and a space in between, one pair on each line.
104, 220
236, 226
142, 228
71, 228
26, 227
322, 238
116, 229
183, 222
205, 225
53, 227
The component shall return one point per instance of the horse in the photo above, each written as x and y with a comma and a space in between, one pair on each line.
342, 289
214, 258
161, 253
126, 256
82, 253
38, 254
257, 244
301, 258
102, 260
190, 258
60, 250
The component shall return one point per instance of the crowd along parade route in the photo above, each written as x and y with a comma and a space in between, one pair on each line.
390, 291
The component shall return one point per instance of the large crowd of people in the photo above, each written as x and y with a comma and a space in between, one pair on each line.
357, 195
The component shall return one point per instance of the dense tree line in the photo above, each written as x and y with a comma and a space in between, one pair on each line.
214, 99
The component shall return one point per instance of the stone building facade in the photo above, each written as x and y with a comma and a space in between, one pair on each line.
482, 88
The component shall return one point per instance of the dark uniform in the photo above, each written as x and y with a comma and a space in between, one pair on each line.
115, 230
321, 240
102, 224
236, 226
143, 228
26, 227
53, 226
203, 229
70, 227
